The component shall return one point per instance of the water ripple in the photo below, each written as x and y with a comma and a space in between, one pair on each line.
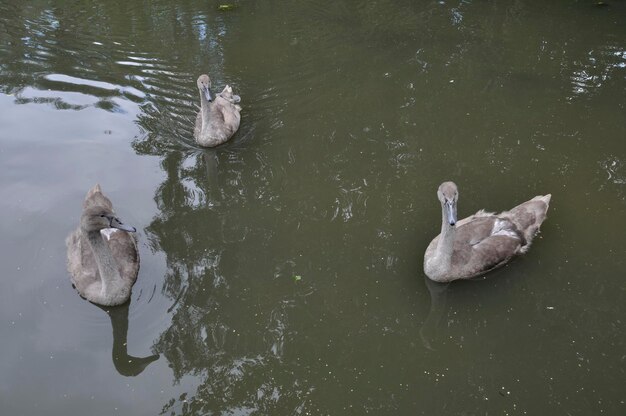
588, 78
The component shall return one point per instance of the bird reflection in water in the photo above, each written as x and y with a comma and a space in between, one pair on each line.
430, 327
213, 192
125, 364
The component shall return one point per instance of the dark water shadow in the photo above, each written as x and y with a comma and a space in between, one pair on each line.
211, 165
125, 364
438, 299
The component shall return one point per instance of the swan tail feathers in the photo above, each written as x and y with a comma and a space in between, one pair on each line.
529, 216
96, 197
96, 189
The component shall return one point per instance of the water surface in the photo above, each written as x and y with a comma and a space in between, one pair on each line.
282, 272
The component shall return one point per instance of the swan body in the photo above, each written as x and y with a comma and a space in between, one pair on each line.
483, 241
102, 256
218, 118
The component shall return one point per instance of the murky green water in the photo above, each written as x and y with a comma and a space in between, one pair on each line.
282, 273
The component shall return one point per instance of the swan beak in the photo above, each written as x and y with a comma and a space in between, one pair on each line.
207, 93
451, 212
116, 223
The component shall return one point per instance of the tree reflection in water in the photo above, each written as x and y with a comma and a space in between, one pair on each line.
225, 329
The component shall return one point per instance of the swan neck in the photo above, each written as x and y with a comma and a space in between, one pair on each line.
119, 322
107, 266
446, 241
205, 107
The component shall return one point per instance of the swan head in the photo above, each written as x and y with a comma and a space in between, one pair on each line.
448, 194
98, 213
204, 86
96, 218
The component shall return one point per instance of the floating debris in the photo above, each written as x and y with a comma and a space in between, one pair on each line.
226, 7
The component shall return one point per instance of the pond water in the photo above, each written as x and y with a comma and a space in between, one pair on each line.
281, 273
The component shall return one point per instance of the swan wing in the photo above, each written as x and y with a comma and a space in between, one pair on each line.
123, 246
484, 244
81, 263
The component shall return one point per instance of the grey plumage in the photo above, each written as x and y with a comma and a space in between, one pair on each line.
102, 256
482, 242
219, 116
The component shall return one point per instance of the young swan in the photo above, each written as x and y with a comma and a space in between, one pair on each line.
219, 118
482, 242
102, 256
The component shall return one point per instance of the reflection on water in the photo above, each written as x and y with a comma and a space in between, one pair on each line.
125, 364
591, 77
431, 325
282, 273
